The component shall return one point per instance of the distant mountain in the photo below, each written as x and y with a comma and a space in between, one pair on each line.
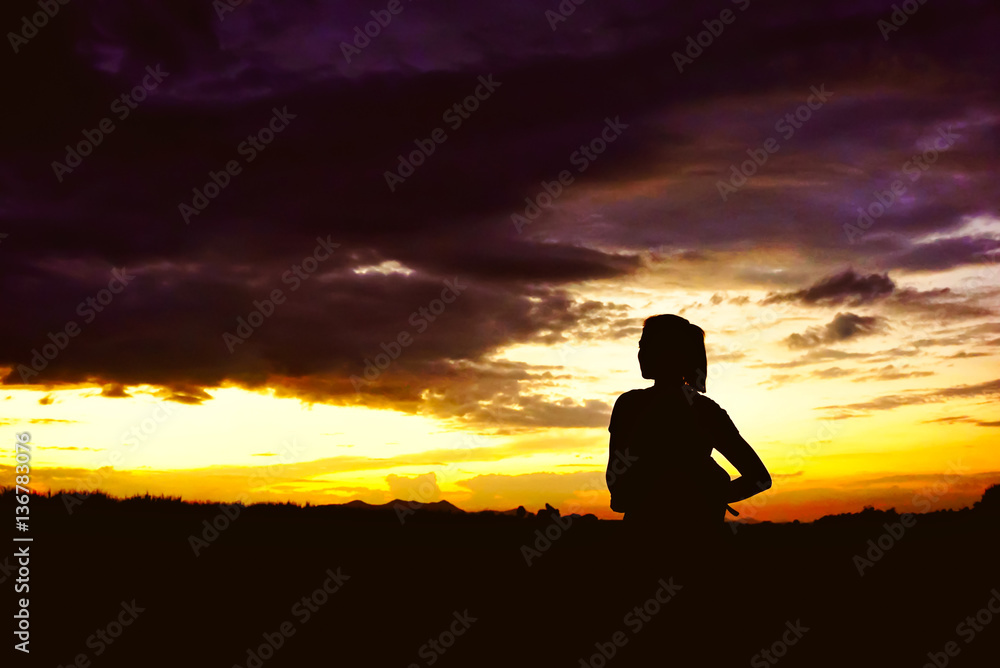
434, 506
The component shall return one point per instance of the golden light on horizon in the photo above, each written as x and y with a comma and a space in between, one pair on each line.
274, 447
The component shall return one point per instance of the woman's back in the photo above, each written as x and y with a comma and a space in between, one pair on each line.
669, 435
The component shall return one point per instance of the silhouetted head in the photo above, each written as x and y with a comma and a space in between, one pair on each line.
672, 348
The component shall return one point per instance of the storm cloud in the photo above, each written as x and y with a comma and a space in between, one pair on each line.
645, 202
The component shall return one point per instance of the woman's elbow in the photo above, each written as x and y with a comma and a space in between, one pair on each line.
764, 481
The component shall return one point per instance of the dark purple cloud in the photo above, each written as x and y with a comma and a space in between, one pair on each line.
947, 253
324, 176
848, 288
843, 327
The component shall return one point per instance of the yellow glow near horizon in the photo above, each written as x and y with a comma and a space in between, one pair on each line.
278, 448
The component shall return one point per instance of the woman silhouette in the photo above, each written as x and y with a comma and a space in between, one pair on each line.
660, 470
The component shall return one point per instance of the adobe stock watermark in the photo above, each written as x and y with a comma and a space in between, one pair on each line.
263, 309
898, 18
22, 617
750, 508
249, 148
213, 528
454, 116
786, 126
990, 274
131, 438
88, 310
101, 639
764, 317
37, 21
122, 106
362, 38
559, 524
879, 547
696, 44
581, 159
436, 647
826, 430
427, 490
967, 629
769, 656
931, 494
229, 513
562, 12
913, 169
420, 319
635, 619
303, 610
263, 475
544, 540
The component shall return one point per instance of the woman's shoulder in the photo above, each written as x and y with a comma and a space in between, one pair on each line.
627, 406
656, 396
706, 405
628, 399
629, 395
714, 416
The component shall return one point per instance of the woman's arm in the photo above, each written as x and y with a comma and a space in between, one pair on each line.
754, 477
620, 476
617, 480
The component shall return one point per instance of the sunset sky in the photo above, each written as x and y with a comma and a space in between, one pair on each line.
860, 361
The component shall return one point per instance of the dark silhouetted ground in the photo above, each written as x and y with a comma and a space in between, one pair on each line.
447, 588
